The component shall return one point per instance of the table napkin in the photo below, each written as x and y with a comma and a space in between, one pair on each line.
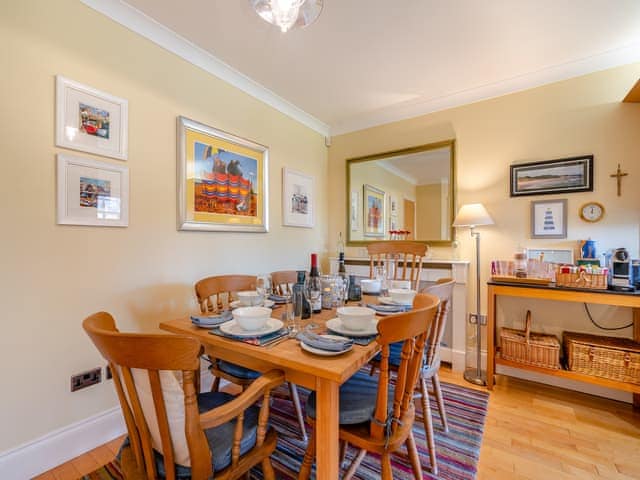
211, 320
278, 298
389, 308
323, 343
260, 340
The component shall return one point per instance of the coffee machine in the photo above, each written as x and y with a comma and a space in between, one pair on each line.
621, 272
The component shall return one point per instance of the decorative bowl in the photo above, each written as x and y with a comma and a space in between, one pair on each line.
402, 295
370, 285
249, 298
251, 318
355, 318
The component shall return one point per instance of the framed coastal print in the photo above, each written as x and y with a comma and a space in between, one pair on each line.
222, 180
549, 219
373, 200
297, 199
90, 120
92, 192
565, 175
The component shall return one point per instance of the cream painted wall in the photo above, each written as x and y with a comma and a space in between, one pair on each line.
367, 173
428, 203
578, 116
53, 276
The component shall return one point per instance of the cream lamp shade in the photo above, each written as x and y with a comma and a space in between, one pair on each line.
472, 215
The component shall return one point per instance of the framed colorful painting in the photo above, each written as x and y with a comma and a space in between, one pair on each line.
92, 192
222, 180
297, 199
565, 175
90, 120
373, 201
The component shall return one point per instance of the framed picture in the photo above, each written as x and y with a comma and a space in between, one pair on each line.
297, 199
393, 206
222, 180
565, 175
549, 219
355, 209
373, 200
92, 192
90, 120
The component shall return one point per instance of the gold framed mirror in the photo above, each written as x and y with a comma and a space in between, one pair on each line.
412, 189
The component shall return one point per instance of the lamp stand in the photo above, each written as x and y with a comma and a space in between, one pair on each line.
477, 376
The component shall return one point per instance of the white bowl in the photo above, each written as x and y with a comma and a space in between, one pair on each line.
249, 298
251, 318
370, 285
356, 318
401, 284
402, 295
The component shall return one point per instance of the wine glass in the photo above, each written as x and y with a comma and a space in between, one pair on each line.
313, 294
263, 286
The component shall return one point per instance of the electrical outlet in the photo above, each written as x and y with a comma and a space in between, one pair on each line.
86, 379
107, 373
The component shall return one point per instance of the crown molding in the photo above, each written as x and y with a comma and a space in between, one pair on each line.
396, 171
609, 59
147, 27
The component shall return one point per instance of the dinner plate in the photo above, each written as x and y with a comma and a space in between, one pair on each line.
335, 325
325, 353
232, 328
266, 303
390, 301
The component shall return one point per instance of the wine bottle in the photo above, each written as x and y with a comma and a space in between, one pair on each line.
340, 249
315, 284
341, 268
301, 306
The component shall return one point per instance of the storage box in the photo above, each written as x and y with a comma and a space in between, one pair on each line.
593, 281
530, 348
608, 357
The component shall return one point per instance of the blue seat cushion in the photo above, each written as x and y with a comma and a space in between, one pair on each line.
395, 354
357, 399
220, 438
237, 370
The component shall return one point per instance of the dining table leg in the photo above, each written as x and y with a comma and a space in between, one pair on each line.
327, 434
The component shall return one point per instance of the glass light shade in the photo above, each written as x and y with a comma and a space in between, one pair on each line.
287, 14
472, 215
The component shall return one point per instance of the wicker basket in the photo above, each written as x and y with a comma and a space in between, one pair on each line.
608, 357
530, 348
592, 281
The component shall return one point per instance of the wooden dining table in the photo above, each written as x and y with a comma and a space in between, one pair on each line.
324, 374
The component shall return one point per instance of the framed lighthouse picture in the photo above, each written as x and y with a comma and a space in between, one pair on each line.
222, 180
549, 219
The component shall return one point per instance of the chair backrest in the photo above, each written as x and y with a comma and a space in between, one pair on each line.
405, 256
283, 280
443, 289
212, 292
158, 411
411, 328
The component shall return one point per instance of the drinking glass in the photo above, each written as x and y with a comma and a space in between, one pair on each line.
312, 293
263, 286
342, 284
381, 275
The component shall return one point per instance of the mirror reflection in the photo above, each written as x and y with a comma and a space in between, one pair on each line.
409, 190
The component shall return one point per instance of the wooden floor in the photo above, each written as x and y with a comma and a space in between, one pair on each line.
533, 432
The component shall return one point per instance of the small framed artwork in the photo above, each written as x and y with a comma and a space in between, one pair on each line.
297, 199
355, 209
90, 120
393, 206
222, 180
373, 200
566, 175
549, 219
92, 192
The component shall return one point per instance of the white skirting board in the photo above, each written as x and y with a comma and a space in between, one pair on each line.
60, 446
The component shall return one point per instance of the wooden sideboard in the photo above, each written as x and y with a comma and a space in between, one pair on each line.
602, 297
453, 348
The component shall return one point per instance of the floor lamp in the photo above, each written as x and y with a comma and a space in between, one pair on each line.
472, 216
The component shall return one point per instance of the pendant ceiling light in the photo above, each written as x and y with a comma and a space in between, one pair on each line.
287, 14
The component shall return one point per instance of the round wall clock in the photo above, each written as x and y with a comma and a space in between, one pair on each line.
592, 212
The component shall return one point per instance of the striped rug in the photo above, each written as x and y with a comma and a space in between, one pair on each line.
457, 451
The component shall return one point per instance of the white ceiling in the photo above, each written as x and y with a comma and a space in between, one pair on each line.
366, 62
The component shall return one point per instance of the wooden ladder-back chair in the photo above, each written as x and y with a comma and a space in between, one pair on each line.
443, 289
283, 280
372, 416
405, 255
172, 431
211, 293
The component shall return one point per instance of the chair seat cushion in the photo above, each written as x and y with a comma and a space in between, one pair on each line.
237, 370
220, 438
395, 354
357, 399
